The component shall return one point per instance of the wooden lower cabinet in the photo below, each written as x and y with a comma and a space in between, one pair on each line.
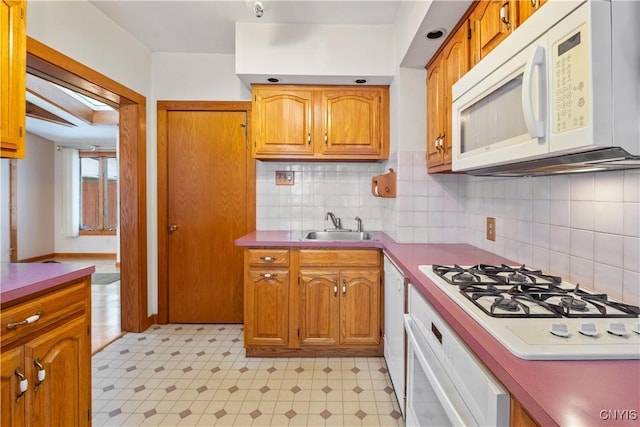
520, 417
331, 307
51, 358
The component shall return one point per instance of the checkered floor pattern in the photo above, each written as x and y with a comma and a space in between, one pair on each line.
197, 375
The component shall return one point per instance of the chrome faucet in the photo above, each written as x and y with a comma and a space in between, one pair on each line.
359, 226
337, 224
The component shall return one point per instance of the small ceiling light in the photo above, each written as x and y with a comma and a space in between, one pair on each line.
361, 81
435, 34
93, 147
273, 80
258, 9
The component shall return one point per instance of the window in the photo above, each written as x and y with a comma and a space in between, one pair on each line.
98, 192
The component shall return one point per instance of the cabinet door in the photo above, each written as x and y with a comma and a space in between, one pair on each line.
351, 123
526, 8
13, 69
456, 60
266, 317
11, 410
282, 121
360, 307
492, 21
319, 308
64, 397
436, 102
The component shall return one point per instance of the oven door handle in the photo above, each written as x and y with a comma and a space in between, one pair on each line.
449, 406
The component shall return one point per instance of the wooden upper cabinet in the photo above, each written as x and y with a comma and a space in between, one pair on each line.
13, 74
436, 106
451, 64
352, 122
491, 22
320, 122
526, 8
282, 121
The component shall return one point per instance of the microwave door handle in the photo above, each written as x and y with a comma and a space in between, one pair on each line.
535, 127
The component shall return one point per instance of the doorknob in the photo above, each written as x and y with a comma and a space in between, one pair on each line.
172, 227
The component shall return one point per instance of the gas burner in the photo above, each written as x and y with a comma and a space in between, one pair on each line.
463, 277
511, 305
516, 277
571, 303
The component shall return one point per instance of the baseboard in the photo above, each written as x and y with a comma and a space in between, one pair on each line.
38, 258
83, 255
151, 320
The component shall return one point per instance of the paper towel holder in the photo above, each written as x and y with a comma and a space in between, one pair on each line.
384, 185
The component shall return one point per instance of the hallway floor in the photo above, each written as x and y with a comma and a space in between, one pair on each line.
197, 375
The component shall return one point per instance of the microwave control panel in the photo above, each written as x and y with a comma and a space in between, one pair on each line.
570, 68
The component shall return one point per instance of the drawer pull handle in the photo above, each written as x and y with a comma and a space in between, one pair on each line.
268, 275
41, 373
344, 287
28, 320
24, 384
335, 288
269, 258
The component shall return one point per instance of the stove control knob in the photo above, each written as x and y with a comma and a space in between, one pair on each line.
618, 329
588, 329
559, 330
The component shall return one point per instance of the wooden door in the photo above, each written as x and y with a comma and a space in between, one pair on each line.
319, 307
282, 121
456, 63
11, 411
61, 399
435, 112
207, 199
266, 307
351, 122
360, 307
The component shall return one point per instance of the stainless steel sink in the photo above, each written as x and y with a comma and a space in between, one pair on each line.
333, 235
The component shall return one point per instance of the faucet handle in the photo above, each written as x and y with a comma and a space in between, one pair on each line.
359, 222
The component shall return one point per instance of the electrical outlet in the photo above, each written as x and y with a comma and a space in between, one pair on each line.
491, 229
285, 178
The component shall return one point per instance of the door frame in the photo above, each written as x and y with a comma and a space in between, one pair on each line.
132, 173
163, 107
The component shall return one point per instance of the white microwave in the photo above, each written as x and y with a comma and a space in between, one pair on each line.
560, 94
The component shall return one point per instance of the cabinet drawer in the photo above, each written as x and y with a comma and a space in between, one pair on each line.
268, 256
340, 257
52, 308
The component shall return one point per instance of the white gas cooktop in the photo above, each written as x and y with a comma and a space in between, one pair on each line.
540, 317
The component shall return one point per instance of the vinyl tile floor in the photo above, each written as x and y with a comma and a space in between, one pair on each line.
197, 375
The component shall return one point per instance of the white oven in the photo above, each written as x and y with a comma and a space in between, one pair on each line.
446, 384
563, 87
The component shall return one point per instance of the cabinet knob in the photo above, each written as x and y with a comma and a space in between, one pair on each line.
172, 227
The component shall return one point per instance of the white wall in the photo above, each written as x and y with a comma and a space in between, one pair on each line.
35, 199
5, 226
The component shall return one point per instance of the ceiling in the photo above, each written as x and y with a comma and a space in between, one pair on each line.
208, 26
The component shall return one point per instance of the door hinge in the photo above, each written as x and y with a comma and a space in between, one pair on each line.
469, 33
20, 131
379, 100
298, 284
298, 332
89, 330
22, 13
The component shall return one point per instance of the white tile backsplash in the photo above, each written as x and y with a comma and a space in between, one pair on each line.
577, 226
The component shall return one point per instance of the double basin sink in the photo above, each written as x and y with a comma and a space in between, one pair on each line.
338, 235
